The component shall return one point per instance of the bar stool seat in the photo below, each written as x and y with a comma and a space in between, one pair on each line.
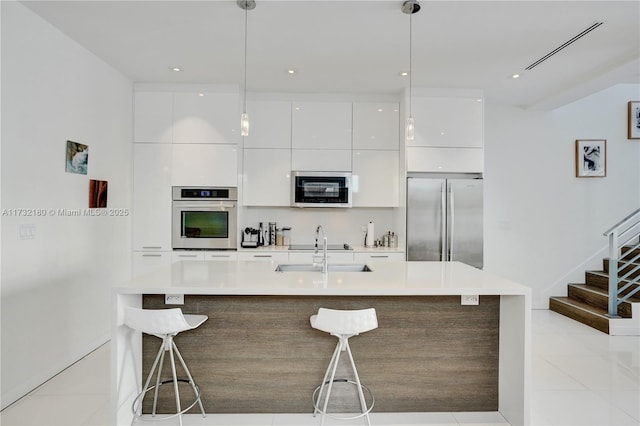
164, 324
343, 324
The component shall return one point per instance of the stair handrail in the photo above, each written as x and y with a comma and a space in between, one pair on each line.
619, 235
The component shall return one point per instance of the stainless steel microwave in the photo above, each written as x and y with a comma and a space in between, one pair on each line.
321, 189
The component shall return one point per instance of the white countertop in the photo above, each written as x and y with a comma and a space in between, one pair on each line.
354, 249
389, 278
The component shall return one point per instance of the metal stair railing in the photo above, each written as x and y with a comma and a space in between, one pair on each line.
620, 235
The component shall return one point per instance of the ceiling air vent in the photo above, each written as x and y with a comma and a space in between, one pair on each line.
565, 44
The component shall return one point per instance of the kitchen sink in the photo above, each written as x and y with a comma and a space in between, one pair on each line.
332, 267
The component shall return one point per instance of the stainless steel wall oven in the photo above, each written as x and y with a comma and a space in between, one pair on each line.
204, 218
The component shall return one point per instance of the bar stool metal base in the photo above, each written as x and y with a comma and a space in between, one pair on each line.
168, 345
316, 400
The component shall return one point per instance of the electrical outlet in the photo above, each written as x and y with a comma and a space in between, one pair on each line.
174, 299
469, 299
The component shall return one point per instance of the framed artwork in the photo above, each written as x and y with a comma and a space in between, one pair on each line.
77, 158
633, 132
591, 158
98, 194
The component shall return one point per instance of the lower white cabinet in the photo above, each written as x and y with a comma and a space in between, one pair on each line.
264, 256
220, 256
178, 255
332, 257
377, 257
145, 262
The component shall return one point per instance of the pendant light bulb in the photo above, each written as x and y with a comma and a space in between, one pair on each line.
244, 124
410, 129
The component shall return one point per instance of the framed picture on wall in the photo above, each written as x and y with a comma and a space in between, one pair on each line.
591, 158
633, 131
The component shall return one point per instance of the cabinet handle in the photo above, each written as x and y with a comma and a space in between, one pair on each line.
187, 255
381, 256
151, 255
219, 255
151, 247
262, 255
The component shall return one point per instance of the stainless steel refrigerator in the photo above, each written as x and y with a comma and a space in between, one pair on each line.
444, 218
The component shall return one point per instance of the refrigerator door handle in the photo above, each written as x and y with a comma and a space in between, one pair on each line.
451, 223
443, 215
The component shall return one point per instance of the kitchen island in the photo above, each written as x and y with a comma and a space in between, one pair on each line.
258, 353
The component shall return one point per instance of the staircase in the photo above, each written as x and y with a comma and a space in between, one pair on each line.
588, 303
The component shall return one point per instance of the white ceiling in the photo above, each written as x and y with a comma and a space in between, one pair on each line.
361, 46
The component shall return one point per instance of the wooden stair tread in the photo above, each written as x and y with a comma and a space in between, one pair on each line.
582, 312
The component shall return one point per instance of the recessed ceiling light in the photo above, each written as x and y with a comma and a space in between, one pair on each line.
200, 94
404, 73
291, 71
176, 69
379, 109
515, 76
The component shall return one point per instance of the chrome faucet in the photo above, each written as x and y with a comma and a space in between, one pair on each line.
325, 268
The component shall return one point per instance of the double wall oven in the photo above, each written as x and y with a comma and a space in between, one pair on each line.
204, 218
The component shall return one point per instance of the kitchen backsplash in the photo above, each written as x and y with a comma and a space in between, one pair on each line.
341, 225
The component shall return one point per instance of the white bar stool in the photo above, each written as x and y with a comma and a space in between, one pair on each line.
164, 324
342, 324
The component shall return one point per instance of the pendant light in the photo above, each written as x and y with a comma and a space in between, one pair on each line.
246, 5
410, 7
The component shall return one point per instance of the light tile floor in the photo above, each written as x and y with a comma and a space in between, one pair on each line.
580, 377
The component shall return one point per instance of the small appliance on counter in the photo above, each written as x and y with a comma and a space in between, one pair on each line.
250, 238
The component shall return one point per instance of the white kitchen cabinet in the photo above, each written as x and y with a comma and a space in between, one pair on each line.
205, 165
178, 255
445, 160
152, 164
269, 124
448, 122
153, 117
376, 125
145, 262
206, 117
321, 160
321, 125
220, 256
360, 257
332, 257
376, 178
266, 177
272, 256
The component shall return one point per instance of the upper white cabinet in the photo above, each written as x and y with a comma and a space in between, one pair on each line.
377, 174
376, 125
321, 160
152, 197
445, 160
448, 122
205, 165
321, 125
206, 117
269, 124
153, 112
266, 177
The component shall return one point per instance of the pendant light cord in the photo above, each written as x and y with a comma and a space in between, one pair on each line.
244, 106
410, 59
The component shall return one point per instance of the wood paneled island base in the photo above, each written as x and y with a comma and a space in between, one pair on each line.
259, 354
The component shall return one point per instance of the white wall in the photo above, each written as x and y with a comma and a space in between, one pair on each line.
543, 225
55, 287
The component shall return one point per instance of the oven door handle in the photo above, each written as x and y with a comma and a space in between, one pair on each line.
210, 206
